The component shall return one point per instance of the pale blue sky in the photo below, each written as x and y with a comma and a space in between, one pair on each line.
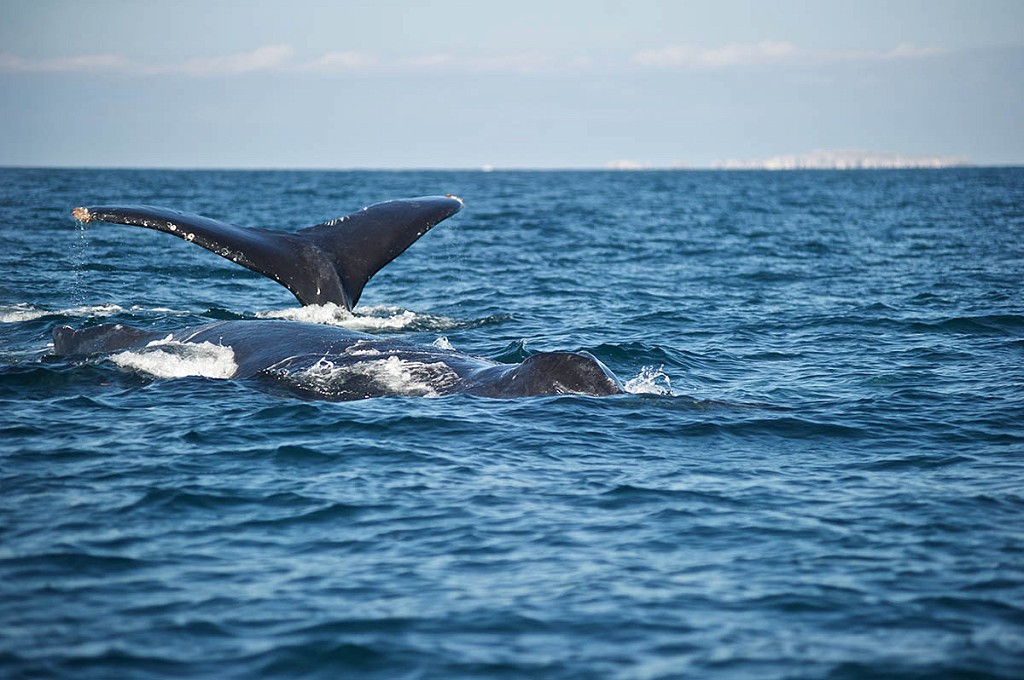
302, 83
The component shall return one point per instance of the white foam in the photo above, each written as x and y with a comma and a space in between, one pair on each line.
443, 343
25, 312
650, 380
172, 359
392, 376
412, 378
370, 318
362, 348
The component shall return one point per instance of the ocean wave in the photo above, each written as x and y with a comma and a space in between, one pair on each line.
23, 312
831, 491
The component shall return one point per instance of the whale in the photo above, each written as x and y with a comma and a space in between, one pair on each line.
337, 364
329, 263
326, 263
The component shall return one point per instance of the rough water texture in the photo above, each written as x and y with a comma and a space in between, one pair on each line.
819, 473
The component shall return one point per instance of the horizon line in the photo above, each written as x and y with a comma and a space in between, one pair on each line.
509, 168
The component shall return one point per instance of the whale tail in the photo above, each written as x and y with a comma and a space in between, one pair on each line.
329, 262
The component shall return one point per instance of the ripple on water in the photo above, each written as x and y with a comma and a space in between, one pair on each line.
823, 483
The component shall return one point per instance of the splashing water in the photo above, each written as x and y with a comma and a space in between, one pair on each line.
369, 318
78, 250
391, 376
172, 359
443, 343
650, 380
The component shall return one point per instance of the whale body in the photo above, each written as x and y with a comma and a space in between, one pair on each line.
330, 263
339, 364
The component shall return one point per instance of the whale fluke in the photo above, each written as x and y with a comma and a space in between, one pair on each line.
330, 262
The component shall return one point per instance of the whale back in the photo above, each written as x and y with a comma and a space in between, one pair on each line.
102, 339
549, 373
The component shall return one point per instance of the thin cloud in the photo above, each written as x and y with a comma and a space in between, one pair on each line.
283, 58
339, 62
766, 52
427, 61
441, 62
523, 62
904, 51
267, 58
691, 56
87, 62
518, 62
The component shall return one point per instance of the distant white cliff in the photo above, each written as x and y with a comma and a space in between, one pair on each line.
842, 159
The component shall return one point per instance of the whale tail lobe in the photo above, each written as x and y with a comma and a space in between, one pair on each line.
329, 262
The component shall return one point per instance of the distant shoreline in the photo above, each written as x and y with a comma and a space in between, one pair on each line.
653, 168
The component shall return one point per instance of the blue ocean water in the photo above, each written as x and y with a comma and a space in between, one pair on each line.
818, 473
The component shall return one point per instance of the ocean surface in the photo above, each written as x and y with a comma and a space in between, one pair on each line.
818, 471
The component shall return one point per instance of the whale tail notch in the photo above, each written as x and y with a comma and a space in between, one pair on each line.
329, 262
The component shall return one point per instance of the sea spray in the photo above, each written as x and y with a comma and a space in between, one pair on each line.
650, 380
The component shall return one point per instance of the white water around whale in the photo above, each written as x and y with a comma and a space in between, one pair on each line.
650, 380
369, 318
25, 312
169, 358
21, 312
390, 375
